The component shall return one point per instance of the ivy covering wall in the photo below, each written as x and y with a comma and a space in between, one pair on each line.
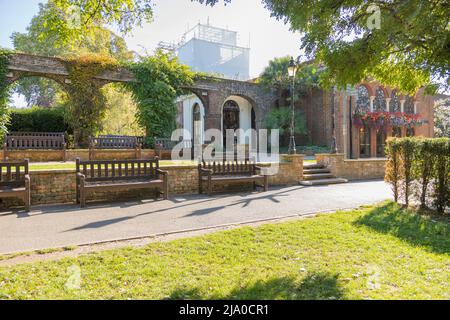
159, 80
5, 56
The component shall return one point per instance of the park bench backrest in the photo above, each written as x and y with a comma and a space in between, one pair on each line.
12, 174
113, 142
164, 144
35, 140
140, 139
107, 170
238, 168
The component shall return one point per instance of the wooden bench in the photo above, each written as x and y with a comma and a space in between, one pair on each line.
114, 142
35, 141
166, 145
15, 181
118, 175
230, 172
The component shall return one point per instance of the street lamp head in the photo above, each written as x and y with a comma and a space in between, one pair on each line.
292, 68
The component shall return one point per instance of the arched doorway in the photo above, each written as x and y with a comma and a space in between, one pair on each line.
230, 119
197, 125
364, 142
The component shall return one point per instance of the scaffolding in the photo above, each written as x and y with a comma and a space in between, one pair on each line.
211, 49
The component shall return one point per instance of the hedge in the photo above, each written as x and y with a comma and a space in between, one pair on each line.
419, 169
37, 119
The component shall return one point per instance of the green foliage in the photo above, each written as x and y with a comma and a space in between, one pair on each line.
275, 75
421, 161
160, 79
86, 105
5, 55
280, 118
41, 91
38, 119
70, 20
442, 118
409, 48
121, 109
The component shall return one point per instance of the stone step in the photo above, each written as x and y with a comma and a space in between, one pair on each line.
310, 171
313, 166
318, 176
323, 182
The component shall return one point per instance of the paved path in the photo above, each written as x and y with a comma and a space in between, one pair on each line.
63, 225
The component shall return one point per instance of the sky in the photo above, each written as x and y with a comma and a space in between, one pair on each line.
267, 37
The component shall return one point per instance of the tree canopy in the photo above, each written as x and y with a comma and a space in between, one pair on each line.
401, 43
70, 20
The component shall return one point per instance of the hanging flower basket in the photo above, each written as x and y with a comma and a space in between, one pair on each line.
380, 120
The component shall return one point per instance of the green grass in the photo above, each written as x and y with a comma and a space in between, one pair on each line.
381, 252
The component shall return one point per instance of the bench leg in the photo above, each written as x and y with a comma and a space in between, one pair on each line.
209, 187
200, 186
266, 183
27, 199
82, 198
166, 189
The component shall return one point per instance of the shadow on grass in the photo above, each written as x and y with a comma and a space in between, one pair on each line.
417, 230
317, 286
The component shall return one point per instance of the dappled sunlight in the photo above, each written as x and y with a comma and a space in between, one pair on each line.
413, 228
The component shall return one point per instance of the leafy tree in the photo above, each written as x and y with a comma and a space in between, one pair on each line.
121, 109
280, 118
442, 118
41, 91
73, 19
408, 49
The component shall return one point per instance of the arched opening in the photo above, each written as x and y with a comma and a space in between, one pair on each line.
191, 118
120, 114
394, 105
379, 104
230, 120
363, 100
37, 104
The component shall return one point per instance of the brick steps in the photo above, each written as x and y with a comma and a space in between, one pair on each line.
318, 174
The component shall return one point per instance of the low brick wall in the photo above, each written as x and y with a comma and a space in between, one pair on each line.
58, 186
353, 169
72, 154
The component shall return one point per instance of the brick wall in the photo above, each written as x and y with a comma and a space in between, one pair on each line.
353, 169
72, 154
58, 186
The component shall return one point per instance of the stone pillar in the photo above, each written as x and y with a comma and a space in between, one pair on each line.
416, 104
355, 138
402, 105
388, 101
372, 98
296, 170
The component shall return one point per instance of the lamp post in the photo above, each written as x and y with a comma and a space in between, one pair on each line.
292, 69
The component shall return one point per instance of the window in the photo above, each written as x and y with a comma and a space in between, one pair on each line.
364, 142
381, 140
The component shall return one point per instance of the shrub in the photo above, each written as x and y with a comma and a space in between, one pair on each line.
420, 160
37, 119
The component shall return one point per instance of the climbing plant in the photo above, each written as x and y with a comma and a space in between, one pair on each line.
86, 104
159, 80
5, 56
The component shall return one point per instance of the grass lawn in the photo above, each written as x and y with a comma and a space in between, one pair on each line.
380, 252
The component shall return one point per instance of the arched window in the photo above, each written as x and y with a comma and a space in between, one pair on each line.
394, 105
379, 103
230, 117
363, 101
409, 105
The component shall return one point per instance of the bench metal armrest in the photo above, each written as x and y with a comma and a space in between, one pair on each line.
162, 172
27, 180
80, 177
260, 169
204, 171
